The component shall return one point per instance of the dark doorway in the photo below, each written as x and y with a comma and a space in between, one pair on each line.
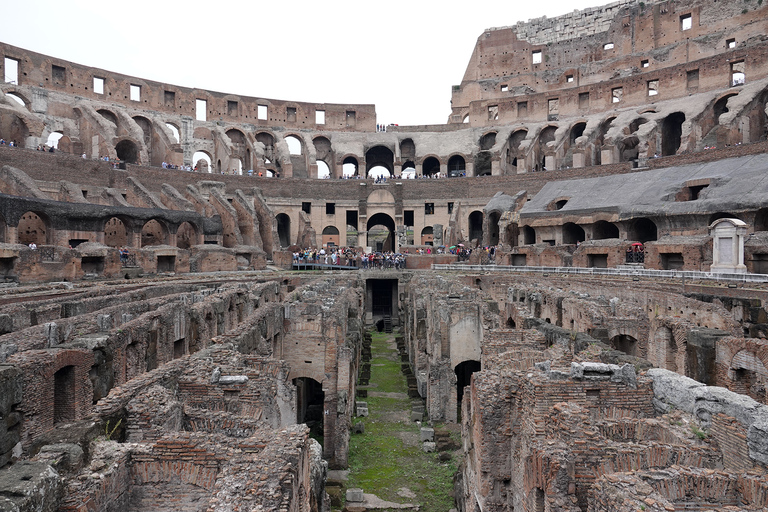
671, 133
284, 229
464, 371
127, 152
624, 343
382, 297
310, 403
476, 226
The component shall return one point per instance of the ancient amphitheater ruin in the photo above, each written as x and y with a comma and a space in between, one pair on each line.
602, 348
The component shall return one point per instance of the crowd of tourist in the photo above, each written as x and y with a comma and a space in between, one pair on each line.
351, 257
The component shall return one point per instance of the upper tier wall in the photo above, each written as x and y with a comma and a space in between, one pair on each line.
46, 72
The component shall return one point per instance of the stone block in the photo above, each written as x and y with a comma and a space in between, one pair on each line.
427, 434
362, 411
417, 415
354, 495
428, 447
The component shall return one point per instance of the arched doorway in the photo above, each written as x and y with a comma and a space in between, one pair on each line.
186, 236
604, 230
457, 166
331, 236
379, 156
153, 233
464, 371
476, 226
624, 343
127, 152
427, 236
115, 233
430, 167
671, 133
201, 162
33, 229
310, 405
529, 235
349, 167
381, 233
573, 234
642, 230
283, 229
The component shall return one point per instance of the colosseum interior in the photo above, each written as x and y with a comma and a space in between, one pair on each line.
602, 347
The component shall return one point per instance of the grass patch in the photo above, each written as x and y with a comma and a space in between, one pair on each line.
388, 456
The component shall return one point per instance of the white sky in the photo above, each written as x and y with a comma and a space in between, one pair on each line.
401, 55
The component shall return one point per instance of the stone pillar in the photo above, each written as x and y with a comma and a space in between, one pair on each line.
728, 246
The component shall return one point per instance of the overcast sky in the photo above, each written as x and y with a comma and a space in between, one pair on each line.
401, 55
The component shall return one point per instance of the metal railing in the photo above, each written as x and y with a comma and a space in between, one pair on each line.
665, 274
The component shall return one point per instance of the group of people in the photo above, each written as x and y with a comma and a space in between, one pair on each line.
44, 148
12, 143
351, 257
188, 168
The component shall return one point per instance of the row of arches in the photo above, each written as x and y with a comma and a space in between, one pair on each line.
35, 228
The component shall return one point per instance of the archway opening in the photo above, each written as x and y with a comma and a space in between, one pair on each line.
624, 343
33, 229
127, 151
115, 233
283, 229
722, 215
430, 167
331, 236
671, 133
53, 140
349, 167
577, 131
457, 166
379, 156
476, 227
381, 231
427, 236
483, 165
310, 406
487, 141
573, 234
186, 236
603, 230
529, 235
323, 171
464, 371
202, 162
153, 233
642, 230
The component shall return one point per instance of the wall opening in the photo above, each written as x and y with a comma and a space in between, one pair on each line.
310, 406
624, 343
464, 371
671, 133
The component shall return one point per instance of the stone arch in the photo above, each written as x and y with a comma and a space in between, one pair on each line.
201, 161
283, 229
116, 232
154, 232
331, 236
600, 140
146, 128
577, 130
721, 107
186, 235
483, 163
128, 151
642, 230
546, 136
407, 149
323, 156
34, 228
430, 166
475, 226
624, 343
529, 235
427, 235
379, 156
298, 155
456, 165
381, 219
350, 166
513, 147
13, 128
573, 234
108, 115
761, 220
53, 139
174, 128
19, 98
236, 136
721, 215
487, 141
604, 230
